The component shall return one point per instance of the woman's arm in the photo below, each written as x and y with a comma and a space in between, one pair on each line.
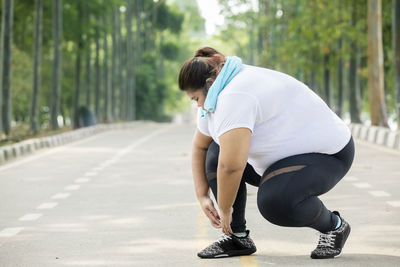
233, 155
201, 143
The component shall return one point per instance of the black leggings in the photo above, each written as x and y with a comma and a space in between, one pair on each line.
288, 189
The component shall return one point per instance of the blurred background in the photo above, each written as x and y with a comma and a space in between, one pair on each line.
67, 64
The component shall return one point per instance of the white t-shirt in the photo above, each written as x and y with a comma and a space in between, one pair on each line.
285, 117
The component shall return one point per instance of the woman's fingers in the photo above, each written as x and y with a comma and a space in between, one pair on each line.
212, 209
226, 229
214, 219
211, 213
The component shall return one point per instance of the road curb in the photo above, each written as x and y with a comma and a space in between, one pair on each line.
372, 134
26, 147
376, 135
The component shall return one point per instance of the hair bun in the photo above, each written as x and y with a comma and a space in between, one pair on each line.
206, 52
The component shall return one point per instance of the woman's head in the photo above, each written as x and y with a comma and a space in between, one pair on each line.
198, 73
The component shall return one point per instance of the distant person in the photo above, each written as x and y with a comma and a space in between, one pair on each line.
265, 128
86, 117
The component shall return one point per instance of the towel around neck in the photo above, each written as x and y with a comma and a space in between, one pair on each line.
232, 66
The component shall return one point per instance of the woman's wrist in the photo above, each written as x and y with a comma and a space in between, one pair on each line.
202, 197
225, 210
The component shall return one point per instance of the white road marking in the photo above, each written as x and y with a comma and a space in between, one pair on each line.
91, 174
61, 196
48, 205
72, 187
395, 204
8, 232
82, 180
350, 179
362, 185
126, 150
30, 217
379, 193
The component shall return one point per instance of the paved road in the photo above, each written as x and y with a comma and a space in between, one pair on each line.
125, 198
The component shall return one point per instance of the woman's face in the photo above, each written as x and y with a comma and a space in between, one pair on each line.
198, 96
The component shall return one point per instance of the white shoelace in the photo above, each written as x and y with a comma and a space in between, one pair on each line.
222, 238
326, 240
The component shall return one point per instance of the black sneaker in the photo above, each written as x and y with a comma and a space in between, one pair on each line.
229, 246
331, 243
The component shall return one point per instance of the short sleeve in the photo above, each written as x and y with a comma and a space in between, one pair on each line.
202, 124
236, 110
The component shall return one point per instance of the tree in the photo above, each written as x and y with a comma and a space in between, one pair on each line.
88, 68
340, 66
130, 61
37, 64
79, 47
114, 52
375, 65
120, 68
396, 53
56, 78
105, 71
354, 87
6, 55
97, 73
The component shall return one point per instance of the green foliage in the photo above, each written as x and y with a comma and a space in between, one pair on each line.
156, 96
151, 93
169, 18
293, 36
169, 50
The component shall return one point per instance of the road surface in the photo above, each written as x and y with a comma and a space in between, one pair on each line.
125, 198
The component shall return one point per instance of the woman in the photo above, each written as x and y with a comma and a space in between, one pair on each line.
265, 128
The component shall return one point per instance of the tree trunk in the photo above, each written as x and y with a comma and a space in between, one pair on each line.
97, 82
327, 82
375, 65
121, 84
161, 67
251, 44
88, 65
130, 62
56, 79
113, 63
105, 69
138, 9
340, 69
37, 55
396, 54
6, 55
78, 69
88, 75
262, 40
354, 86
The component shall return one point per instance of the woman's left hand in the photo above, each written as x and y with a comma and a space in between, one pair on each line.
226, 219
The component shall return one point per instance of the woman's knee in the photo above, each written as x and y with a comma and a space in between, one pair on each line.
276, 206
269, 203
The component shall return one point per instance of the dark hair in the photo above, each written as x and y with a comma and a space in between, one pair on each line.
195, 71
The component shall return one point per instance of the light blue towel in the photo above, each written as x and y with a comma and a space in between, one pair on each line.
232, 66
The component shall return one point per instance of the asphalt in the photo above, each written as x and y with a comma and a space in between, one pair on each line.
125, 198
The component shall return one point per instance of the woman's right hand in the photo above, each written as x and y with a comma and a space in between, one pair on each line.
209, 210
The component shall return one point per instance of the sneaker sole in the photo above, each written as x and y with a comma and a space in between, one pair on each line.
230, 254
